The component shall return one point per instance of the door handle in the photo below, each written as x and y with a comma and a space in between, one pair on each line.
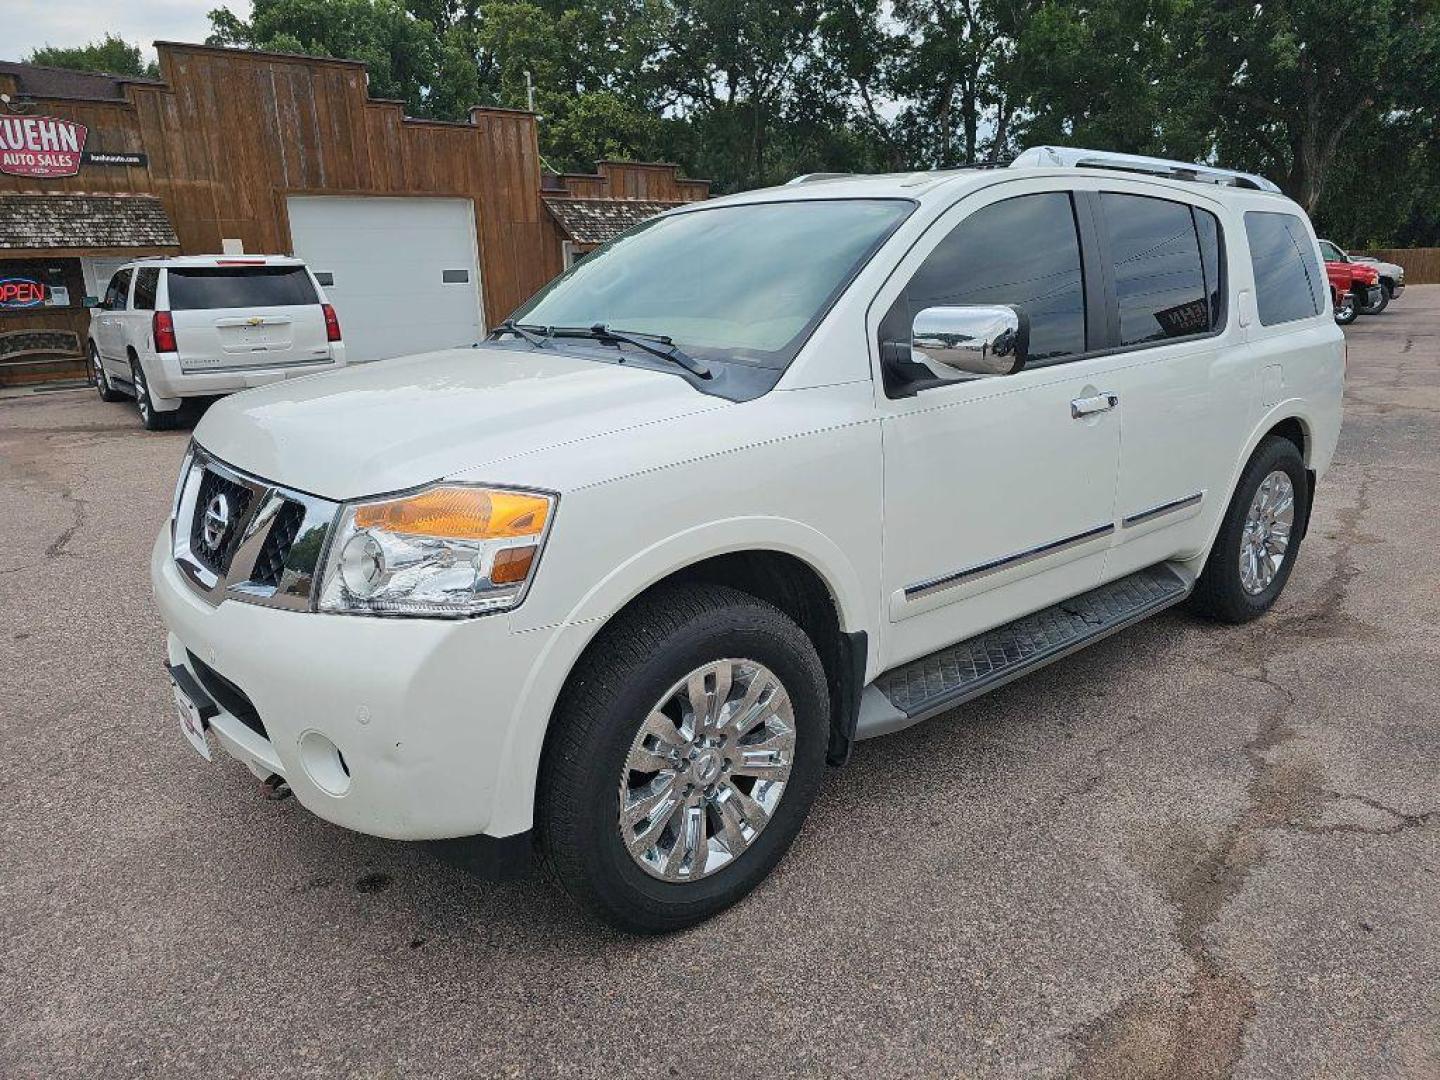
1098, 403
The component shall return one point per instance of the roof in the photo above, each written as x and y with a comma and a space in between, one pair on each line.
594, 221
55, 220
40, 81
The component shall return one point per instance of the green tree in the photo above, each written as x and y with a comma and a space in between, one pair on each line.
111, 55
401, 52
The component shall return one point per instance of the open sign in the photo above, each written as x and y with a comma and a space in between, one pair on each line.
21, 293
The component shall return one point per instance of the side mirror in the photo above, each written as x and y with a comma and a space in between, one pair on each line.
90, 302
975, 339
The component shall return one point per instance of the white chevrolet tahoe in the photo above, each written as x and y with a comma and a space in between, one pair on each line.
763, 477
198, 326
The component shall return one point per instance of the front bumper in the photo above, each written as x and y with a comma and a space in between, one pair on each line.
431, 716
1396, 289
168, 380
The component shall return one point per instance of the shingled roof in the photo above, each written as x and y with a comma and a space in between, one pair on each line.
33, 220
594, 221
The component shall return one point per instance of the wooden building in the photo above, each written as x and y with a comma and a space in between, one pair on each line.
236, 151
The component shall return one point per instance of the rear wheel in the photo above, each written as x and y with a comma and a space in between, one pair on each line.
1259, 538
151, 417
687, 750
106, 391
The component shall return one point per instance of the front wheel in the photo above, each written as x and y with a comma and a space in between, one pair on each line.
1259, 538
686, 752
1379, 305
1346, 311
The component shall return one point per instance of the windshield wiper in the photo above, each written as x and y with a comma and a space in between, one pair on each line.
654, 344
539, 336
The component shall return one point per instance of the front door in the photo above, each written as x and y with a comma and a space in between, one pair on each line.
109, 327
999, 491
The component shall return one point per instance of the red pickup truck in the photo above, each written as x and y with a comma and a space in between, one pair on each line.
1353, 286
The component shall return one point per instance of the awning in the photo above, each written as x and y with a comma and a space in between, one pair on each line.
77, 223
594, 221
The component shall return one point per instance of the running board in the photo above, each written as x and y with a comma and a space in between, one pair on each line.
954, 675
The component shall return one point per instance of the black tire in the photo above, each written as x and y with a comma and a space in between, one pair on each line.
1379, 306
1346, 312
151, 417
657, 642
101, 378
1220, 593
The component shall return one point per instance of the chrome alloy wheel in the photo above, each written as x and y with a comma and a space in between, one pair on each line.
707, 770
1267, 532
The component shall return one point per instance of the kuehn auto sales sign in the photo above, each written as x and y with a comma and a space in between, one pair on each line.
40, 146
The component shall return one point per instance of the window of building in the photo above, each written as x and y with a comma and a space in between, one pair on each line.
1023, 251
1289, 283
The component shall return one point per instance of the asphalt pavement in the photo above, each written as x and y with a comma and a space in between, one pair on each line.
1189, 851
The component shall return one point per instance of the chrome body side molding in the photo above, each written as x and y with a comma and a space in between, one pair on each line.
1164, 508
995, 566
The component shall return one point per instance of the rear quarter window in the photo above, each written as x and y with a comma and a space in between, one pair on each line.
204, 287
1289, 283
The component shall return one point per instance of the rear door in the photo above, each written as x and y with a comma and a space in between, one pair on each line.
108, 320
246, 315
1187, 382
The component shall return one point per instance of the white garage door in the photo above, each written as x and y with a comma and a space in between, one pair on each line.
402, 273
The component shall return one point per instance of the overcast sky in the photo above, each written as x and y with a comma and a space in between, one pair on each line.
30, 24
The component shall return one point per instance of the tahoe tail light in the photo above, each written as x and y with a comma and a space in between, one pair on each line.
163, 328
332, 323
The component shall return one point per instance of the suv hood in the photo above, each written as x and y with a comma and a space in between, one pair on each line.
396, 424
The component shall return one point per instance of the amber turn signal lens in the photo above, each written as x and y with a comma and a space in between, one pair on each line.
511, 565
459, 513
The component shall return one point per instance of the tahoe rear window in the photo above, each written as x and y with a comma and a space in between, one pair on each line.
201, 287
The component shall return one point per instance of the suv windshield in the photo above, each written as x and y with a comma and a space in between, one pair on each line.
201, 287
730, 282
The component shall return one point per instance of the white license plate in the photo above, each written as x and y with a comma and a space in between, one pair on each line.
191, 722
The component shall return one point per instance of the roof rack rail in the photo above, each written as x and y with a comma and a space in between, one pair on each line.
811, 177
1073, 157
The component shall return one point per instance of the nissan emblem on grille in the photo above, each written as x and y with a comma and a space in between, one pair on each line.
217, 522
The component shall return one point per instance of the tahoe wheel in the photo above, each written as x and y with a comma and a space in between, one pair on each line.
151, 417
686, 752
102, 380
1346, 312
1259, 538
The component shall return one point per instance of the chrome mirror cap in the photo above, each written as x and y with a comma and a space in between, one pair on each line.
976, 339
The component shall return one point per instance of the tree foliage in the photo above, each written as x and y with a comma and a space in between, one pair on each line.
110, 55
1336, 102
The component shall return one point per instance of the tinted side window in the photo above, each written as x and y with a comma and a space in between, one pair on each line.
1211, 254
1159, 278
1330, 251
193, 289
147, 283
1023, 251
1288, 281
116, 294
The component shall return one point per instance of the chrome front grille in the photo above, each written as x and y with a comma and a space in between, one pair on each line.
238, 537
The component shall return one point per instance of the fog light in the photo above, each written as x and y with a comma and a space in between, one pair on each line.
324, 764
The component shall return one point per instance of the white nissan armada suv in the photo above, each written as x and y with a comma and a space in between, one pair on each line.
763, 477
197, 326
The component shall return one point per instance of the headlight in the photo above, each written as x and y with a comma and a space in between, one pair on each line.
447, 551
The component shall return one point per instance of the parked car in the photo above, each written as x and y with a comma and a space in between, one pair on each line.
199, 326
1391, 275
1355, 290
765, 476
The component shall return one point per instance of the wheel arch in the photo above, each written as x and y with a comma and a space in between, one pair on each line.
802, 584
